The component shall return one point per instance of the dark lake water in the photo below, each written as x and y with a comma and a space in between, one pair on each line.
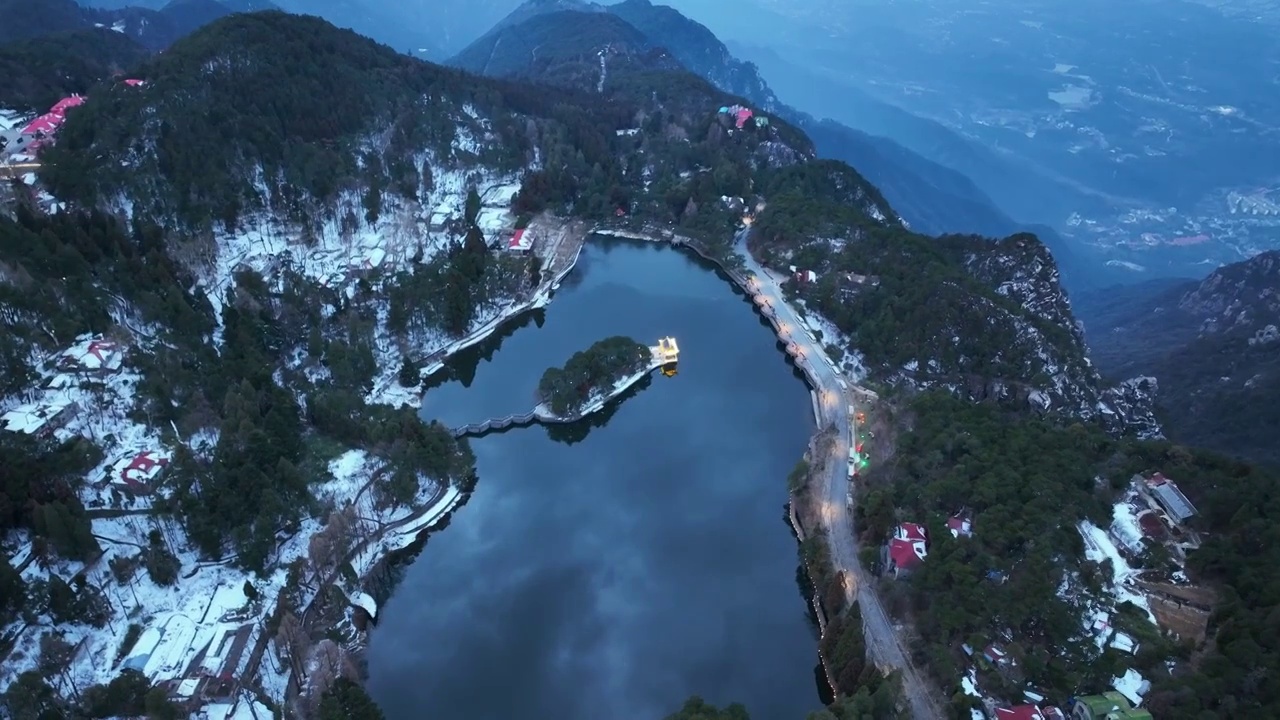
608, 571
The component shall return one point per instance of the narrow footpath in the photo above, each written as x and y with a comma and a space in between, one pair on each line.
884, 646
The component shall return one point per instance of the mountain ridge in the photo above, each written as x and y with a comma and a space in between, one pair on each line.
154, 27
934, 198
1212, 344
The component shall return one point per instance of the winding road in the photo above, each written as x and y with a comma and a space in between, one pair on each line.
884, 647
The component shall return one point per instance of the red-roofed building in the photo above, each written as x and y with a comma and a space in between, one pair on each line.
907, 549
60, 108
46, 124
960, 527
1020, 712
134, 82
744, 115
92, 355
912, 532
138, 472
995, 655
521, 241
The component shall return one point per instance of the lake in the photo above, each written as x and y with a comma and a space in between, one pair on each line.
611, 569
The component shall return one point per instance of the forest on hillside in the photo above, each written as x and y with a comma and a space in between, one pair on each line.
36, 73
1025, 483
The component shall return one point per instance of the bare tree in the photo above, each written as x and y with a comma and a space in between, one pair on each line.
341, 528
292, 643
321, 551
55, 657
328, 663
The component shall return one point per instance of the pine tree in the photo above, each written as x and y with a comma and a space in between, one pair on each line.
345, 700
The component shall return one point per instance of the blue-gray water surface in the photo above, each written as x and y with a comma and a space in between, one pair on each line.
609, 571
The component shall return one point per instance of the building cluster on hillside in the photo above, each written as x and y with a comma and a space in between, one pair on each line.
30, 137
27, 138
91, 358
909, 545
197, 653
1106, 706
1167, 512
742, 115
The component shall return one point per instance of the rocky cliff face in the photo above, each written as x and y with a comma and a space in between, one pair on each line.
1213, 347
1239, 299
1022, 270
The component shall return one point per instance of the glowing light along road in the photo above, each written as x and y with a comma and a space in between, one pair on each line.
883, 645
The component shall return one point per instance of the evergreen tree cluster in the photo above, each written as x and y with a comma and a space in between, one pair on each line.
36, 73
38, 493
590, 372
69, 273
346, 700
130, 694
276, 111
917, 299
1026, 483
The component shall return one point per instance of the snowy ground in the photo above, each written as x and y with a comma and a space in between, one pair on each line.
1100, 548
102, 404
850, 363
336, 259
244, 708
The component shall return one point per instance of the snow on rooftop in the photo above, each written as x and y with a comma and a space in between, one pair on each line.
10, 119
1124, 643
500, 196
1100, 548
31, 418
493, 221
142, 466
1124, 525
1132, 686
92, 352
244, 708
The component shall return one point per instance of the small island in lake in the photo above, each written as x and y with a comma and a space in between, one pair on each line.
594, 375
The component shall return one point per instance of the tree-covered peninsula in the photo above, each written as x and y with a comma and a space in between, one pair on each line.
591, 373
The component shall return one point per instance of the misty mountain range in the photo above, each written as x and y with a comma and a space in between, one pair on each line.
938, 177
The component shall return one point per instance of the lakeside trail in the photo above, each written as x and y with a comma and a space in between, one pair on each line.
563, 244
884, 646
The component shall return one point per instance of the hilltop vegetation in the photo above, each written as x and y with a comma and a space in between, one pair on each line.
522, 50
986, 317
299, 155
36, 73
1025, 483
